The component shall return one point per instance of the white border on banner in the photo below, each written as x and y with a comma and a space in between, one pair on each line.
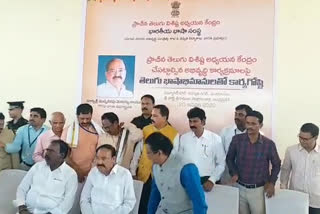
274, 74
82, 41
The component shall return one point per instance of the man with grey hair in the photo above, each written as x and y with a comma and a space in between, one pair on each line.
57, 122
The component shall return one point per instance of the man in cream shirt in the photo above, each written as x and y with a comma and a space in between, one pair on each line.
302, 161
109, 186
50, 185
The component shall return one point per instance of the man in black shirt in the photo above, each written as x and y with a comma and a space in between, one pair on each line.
147, 103
15, 112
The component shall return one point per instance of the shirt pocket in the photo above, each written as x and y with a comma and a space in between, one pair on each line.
316, 167
57, 187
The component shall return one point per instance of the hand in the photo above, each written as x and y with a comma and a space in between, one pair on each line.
2, 145
269, 189
121, 124
208, 185
234, 179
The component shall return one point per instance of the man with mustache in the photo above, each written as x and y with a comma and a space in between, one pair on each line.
115, 76
15, 112
57, 122
27, 136
249, 158
147, 103
109, 186
82, 137
50, 185
227, 134
160, 116
122, 136
204, 148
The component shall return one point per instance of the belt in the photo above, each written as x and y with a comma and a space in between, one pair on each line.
251, 186
29, 165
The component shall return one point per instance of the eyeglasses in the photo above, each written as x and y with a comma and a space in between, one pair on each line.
304, 139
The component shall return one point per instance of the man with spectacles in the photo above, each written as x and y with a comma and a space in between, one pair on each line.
204, 148
115, 75
302, 161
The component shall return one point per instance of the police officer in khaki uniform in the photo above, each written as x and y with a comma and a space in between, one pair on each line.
15, 112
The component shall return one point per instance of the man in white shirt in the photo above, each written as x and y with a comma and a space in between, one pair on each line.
50, 185
302, 161
109, 187
227, 134
204, 148
115, 75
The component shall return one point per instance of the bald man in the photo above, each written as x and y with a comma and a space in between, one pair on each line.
115, 75
57, 122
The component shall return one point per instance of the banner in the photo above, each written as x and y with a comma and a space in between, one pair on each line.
212, 54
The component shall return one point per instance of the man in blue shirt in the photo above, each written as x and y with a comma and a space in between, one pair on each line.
176, 186
27, 136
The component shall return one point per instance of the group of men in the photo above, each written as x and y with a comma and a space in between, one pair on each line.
99, 163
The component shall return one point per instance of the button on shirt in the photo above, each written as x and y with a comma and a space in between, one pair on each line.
43, 143
206, 152
227, 135
26, 139
113, 193
108, 90
305, 172
251, 161
43, 190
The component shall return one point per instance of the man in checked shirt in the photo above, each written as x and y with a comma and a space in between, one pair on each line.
248, 159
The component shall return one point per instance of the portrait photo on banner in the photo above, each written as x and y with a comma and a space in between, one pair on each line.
116, 75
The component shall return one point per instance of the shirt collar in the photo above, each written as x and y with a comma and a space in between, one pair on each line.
108, 84
114, 170
42, 127
145, 118
260, 138
51, 133
205, 134
59, 169
171, 157
156, 129
236, 130
316, 148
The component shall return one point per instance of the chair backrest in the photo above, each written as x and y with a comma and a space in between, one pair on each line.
223, 199
9, 181
138, 185
288, 200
